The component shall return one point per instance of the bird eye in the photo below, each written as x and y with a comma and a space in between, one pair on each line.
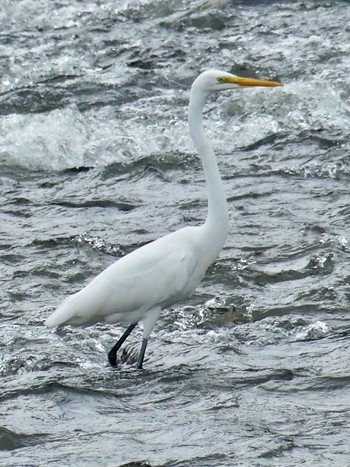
220, 80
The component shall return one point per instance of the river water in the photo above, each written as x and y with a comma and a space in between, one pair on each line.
96, 160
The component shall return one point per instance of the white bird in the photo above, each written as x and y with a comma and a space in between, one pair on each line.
139, 285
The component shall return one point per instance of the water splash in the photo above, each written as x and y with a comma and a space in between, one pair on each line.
50, 141
313, 331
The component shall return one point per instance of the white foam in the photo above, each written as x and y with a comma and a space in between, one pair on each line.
313, 331
157, 124
54, 140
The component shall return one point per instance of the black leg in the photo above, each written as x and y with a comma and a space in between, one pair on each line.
142, 353
112, 354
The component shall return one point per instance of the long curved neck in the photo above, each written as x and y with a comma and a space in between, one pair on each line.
216, 225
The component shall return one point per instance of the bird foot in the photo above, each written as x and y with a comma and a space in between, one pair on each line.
112, 358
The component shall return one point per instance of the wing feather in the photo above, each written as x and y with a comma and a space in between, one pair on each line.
159, 273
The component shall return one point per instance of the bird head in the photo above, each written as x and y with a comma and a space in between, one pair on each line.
214, 80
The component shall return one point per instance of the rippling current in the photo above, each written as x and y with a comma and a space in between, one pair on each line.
96, 160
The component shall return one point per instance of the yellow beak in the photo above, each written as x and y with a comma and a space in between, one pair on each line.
253, 82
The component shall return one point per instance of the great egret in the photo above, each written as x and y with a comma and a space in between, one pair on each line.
142, 283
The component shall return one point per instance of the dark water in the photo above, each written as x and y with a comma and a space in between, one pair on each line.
96, 160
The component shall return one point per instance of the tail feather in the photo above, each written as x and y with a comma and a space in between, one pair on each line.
64, 314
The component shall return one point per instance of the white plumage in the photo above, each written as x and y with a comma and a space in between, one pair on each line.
157, 274
142, 283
